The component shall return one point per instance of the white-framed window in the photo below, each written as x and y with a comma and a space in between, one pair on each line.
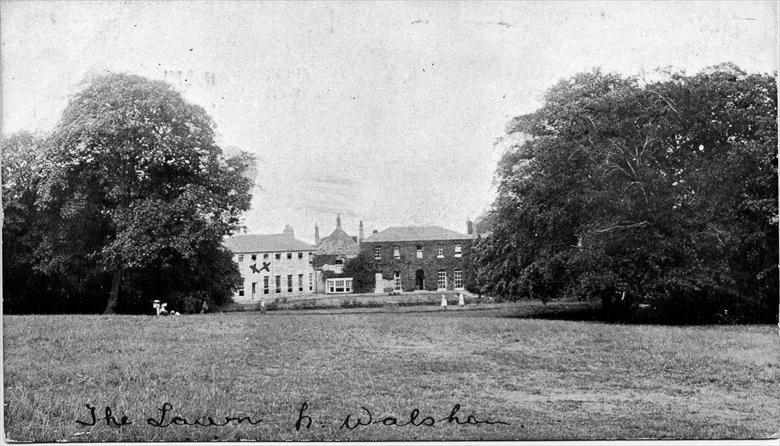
339, 262
396, 252
441, 280
439, 252
278, 283
241, 292
339, 285
419, 251
397, 281
289, 283
254, 290
458, 279
240, 257
458, 252
266, 285
378, 253
300, 282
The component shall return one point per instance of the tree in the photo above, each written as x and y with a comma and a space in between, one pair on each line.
361, 269
137, 189
630, 192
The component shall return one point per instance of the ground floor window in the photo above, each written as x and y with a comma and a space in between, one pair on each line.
289, 283
278, 284
397, 281
254, 290
441, 280
300, 282
311, 281
458, 278
266, 285
241, 292
339, 286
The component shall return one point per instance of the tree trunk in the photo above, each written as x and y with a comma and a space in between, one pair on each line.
113, 297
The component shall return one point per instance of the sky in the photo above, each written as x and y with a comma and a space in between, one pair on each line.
382, 112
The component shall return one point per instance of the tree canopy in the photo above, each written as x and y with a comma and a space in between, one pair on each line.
658, 193
133, 199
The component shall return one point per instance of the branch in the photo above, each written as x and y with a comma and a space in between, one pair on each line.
611, 228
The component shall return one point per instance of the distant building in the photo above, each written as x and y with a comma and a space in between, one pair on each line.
272, 265
332, 252
415, 258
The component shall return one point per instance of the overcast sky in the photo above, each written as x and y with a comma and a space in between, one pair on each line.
385, 112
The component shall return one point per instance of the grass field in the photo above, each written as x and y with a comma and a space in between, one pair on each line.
548, 379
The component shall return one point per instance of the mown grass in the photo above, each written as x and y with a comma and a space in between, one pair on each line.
548, 379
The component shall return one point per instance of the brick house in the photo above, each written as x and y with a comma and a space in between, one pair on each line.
415, 258
272, 265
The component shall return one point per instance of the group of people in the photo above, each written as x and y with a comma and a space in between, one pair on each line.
461, 300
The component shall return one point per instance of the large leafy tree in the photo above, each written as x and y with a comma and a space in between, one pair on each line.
136, 189
627, 191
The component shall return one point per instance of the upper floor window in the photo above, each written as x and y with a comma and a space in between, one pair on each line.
278, 255
254, 256
419, 251
378, 253
289, 256
458, 252
265, 256
396, 252
339, 262
240, 257
300, 255
439, 252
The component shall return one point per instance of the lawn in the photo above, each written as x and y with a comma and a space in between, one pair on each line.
531, 378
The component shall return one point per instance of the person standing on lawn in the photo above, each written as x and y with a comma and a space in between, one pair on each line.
443, 302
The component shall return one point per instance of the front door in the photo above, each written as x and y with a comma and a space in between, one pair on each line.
419, 280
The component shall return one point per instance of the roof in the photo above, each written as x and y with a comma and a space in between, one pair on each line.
265, 243
338, 242
415, 233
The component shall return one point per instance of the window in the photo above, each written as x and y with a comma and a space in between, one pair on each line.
441, 280
254, 290
278, 256
289, 283
265, 256
339, 286
396, 281
311, 282
278, 284
396, 252
439, 252
458, 252
378, 253
419, 251
254, 256
300, 282
289, 256
458, 279
300, 255
266, 285
339, 262
241, 292
240, 257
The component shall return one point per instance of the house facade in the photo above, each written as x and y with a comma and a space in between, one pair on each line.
331, 253
272, 265
419, 258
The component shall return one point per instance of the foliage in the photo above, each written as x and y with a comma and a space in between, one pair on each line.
360, 268
134, 198
628, 192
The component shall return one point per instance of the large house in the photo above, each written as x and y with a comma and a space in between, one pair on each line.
413, 258
272, 265
332, 252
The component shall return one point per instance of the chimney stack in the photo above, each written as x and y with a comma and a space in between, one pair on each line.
360, 232
469, 227
288, 231
338, 221
316, 234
